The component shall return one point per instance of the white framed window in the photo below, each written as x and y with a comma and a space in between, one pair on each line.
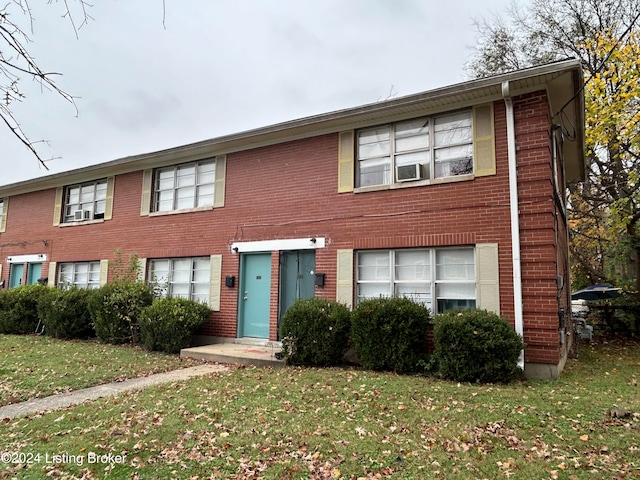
185, 186
422, 148
455, 281
85, 201
182, 277
440, 278
79, 274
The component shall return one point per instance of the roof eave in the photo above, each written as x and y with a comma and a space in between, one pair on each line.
440, 99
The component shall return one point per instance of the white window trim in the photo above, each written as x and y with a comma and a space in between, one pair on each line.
154, 190
432, 149
61, 283
168, 292
66, 219
432, 283
417, 183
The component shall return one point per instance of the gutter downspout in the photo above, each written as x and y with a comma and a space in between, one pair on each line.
515, 218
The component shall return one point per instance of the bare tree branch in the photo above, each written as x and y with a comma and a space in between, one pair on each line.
16, 62
15, 128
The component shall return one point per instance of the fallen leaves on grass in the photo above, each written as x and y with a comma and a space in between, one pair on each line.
330, 424
36, 366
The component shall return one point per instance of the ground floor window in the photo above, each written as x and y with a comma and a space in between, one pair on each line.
441, 278
79, 275
181, 277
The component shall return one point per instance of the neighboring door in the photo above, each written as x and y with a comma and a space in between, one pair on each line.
255, 295
15, 275
34, 273
297, 277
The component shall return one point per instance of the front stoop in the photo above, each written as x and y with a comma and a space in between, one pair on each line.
236, 353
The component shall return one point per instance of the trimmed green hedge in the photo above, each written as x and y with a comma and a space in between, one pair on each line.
115, 310
390, 333
315, 331
19, 309
475, 346
169, 323
65, 313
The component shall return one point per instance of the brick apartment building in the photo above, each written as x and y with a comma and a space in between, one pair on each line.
454, 197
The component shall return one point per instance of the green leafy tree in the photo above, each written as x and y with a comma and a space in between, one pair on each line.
603, 34
612, 189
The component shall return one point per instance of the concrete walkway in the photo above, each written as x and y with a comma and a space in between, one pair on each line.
77, 397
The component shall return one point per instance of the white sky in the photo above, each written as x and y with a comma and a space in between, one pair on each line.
221, 67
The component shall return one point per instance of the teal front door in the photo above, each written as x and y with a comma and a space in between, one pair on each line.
297, 277
15, 275
255, 295
34, 272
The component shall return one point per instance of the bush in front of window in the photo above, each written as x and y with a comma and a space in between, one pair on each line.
65, 313
315, 331
169, 323
475, 346
115, 309
390, 333
19, 309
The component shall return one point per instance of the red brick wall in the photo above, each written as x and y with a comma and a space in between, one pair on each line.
290, 191
538, 215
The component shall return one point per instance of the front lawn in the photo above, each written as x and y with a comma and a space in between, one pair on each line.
36, 366
346, 423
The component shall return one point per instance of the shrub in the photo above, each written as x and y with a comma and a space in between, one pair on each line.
475, 346
169, 323
65, 313
115, 309
315, 331
390, 333
19, 309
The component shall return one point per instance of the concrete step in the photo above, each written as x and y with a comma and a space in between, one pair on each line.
236, 353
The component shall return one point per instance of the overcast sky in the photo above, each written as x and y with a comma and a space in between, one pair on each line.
221, 67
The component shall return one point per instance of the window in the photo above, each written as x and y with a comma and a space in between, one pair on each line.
86, 201
184, 186
423, 148
182, 277
445, 274
455, 279
79, 274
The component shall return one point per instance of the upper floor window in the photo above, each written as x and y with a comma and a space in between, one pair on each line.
85, 201
422, 148
185, 186
442, 278
79, 275
182, 277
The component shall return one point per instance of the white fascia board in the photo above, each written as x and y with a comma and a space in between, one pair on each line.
306, 243
39, 257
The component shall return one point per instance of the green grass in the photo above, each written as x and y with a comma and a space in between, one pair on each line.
296, 423
36, 366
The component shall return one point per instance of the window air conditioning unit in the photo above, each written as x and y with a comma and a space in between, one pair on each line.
80, 215
409, 173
